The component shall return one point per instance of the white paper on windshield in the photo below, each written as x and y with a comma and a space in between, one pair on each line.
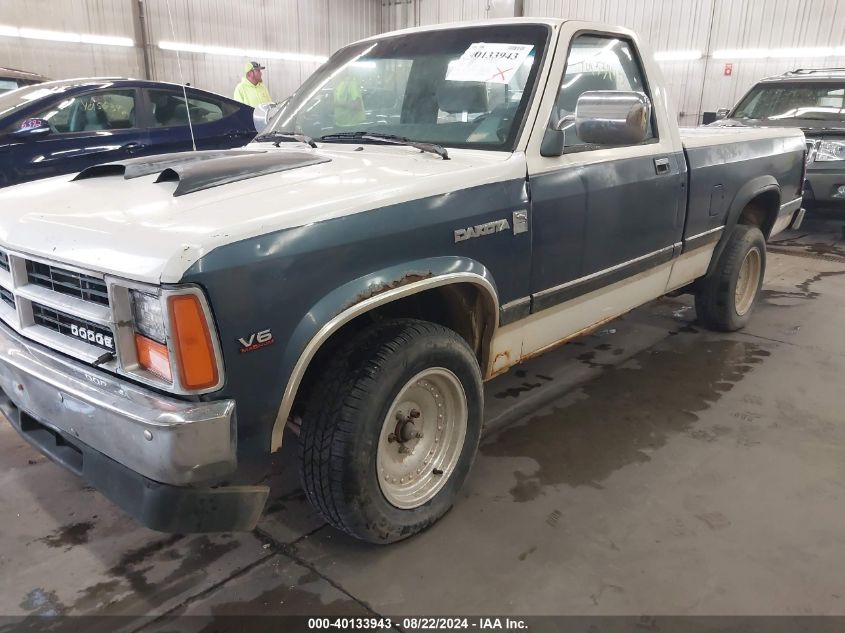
492, 63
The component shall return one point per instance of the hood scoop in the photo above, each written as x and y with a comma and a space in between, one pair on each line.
195, 171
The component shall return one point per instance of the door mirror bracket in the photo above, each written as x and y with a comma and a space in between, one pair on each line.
554, 139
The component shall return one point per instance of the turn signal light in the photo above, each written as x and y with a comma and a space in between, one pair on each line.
153, 357
192, 343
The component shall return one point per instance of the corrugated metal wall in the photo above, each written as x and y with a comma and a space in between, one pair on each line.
313, 27
319, 27
400, 14
770, 24
726, 24
60, 59
316, 27
671, 25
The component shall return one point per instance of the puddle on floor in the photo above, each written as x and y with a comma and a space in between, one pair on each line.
623, 415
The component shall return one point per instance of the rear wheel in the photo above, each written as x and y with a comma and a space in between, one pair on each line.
390, 432
725, 299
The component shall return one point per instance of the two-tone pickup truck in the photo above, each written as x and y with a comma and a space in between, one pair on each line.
429, 209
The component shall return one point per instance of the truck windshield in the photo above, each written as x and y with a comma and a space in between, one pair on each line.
461, 87
807, 101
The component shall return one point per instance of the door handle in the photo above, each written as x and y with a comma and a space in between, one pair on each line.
131, 147
662, 166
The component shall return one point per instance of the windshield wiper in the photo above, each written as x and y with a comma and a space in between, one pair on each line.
285, 137
390, 139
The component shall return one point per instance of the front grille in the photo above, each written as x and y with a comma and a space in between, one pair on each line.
73, 327
68, 282
7, 296
4, 261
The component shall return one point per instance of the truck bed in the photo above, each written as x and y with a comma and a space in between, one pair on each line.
724, 164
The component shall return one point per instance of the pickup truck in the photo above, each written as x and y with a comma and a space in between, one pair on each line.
812, 100
349, 279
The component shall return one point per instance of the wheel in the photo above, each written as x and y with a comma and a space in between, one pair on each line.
725, 299
391, 430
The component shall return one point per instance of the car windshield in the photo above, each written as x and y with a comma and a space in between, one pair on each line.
14, 99
808, 101
464, 87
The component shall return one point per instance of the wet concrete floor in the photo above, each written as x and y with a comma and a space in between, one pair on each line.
652, 467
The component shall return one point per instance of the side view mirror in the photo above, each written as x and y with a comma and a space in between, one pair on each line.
263, 114
554, 140
612, 117
722, 113
32, 127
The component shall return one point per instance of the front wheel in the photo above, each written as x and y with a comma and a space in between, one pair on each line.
391, 430
725, 300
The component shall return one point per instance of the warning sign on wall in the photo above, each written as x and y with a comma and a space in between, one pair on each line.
729, 70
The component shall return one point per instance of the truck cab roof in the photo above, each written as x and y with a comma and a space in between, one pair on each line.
815, 75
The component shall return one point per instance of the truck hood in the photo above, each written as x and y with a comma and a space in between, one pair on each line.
133, 226
811, 128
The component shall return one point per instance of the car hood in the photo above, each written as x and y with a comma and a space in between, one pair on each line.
811, 128
136, 228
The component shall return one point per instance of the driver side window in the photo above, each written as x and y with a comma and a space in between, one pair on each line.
597, 62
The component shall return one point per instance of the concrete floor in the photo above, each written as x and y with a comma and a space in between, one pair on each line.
649, 468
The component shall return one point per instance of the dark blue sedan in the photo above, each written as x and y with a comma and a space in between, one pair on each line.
61, 127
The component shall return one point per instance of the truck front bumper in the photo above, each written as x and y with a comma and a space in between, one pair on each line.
825, 187
150, 454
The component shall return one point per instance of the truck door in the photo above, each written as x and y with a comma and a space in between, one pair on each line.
602, 214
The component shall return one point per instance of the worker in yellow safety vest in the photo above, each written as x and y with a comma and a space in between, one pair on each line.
348, 101
251, 90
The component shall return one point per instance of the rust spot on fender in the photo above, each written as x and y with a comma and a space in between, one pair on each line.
378, 288
495, 369
502, 355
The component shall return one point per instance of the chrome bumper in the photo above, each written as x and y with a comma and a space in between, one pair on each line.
161, 438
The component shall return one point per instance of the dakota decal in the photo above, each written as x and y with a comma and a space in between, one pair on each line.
481, 229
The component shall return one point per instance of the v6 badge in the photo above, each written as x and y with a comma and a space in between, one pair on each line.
256, 340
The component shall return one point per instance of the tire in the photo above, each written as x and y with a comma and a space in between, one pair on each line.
719, 303
357, 441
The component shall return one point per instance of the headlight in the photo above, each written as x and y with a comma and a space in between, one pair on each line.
174, 339
149, 316
830, 150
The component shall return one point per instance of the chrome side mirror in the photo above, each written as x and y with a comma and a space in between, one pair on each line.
264, 113
612, 117
722, 113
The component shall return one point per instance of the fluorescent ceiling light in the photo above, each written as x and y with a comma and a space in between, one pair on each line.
677, 56
107, 40
185, 47
769, 53
53, 36
64, 36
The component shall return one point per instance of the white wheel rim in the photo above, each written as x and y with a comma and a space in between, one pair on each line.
422, 438
748, 281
